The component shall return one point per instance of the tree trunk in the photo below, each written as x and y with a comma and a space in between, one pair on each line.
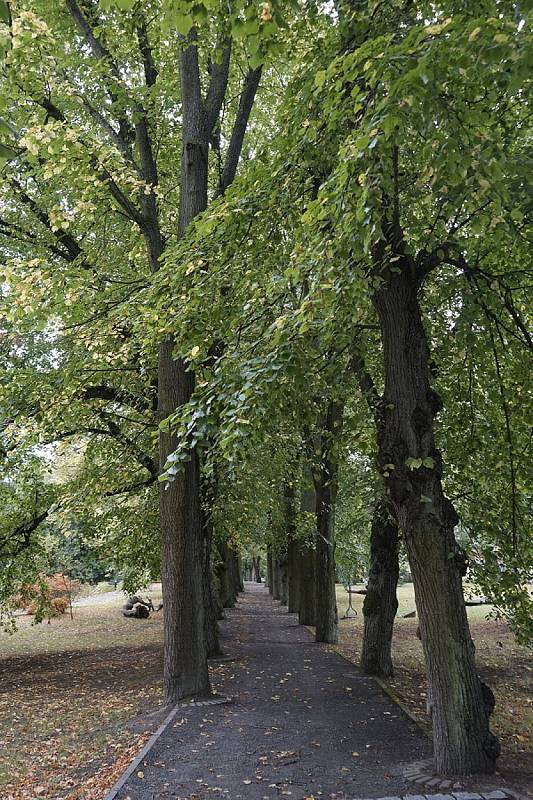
413, 469
293, 576
210, 602
256, 563
226, 575
307, 609
238, 573
283, 585
326, 493
270, 570
185, 656
307, 584
380, 604
276, 576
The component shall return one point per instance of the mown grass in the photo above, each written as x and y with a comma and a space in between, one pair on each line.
68, 689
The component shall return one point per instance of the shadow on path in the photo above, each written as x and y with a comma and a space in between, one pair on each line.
303, 723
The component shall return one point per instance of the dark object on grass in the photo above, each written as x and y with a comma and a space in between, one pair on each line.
138, 608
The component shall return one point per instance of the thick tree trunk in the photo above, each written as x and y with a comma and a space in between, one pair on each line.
307, 609
210, 600
413, 467
326, 493
239, 577
256, 565
185, 655
380, 604
276, 576
226, 576
283, 583
293, 576
291, 554
307, 582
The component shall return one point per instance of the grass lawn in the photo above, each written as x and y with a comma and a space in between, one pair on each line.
76, 694
67, 689
503, 664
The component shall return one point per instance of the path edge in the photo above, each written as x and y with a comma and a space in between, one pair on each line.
389, 692
128, 772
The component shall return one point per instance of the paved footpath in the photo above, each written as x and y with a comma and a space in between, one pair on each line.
303, 723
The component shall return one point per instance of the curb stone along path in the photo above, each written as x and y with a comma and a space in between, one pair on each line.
298, 725
301, 723
421, 773
497, 794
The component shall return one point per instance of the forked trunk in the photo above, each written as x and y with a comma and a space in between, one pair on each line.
380, 603
185, 654
426, 518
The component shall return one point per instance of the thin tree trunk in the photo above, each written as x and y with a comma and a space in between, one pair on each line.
256, 565
380, 604
463, 742
270, 570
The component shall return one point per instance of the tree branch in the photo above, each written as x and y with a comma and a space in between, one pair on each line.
102, 54
246, 101
22, 533
116, 395
218, 83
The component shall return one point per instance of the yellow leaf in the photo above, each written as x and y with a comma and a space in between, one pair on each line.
474, 33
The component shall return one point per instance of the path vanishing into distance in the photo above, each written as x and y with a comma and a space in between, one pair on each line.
303, 722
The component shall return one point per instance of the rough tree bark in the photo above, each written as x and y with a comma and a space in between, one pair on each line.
463, 742
307, 583
276, 575
325, 479
270, 570
293, 576
283, 582
212, 611
307, 608
380, 604
185, 653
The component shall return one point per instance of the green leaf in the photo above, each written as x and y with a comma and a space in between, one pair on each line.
5, 15
6, 153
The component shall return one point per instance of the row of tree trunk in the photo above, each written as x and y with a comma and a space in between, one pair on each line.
300, 573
